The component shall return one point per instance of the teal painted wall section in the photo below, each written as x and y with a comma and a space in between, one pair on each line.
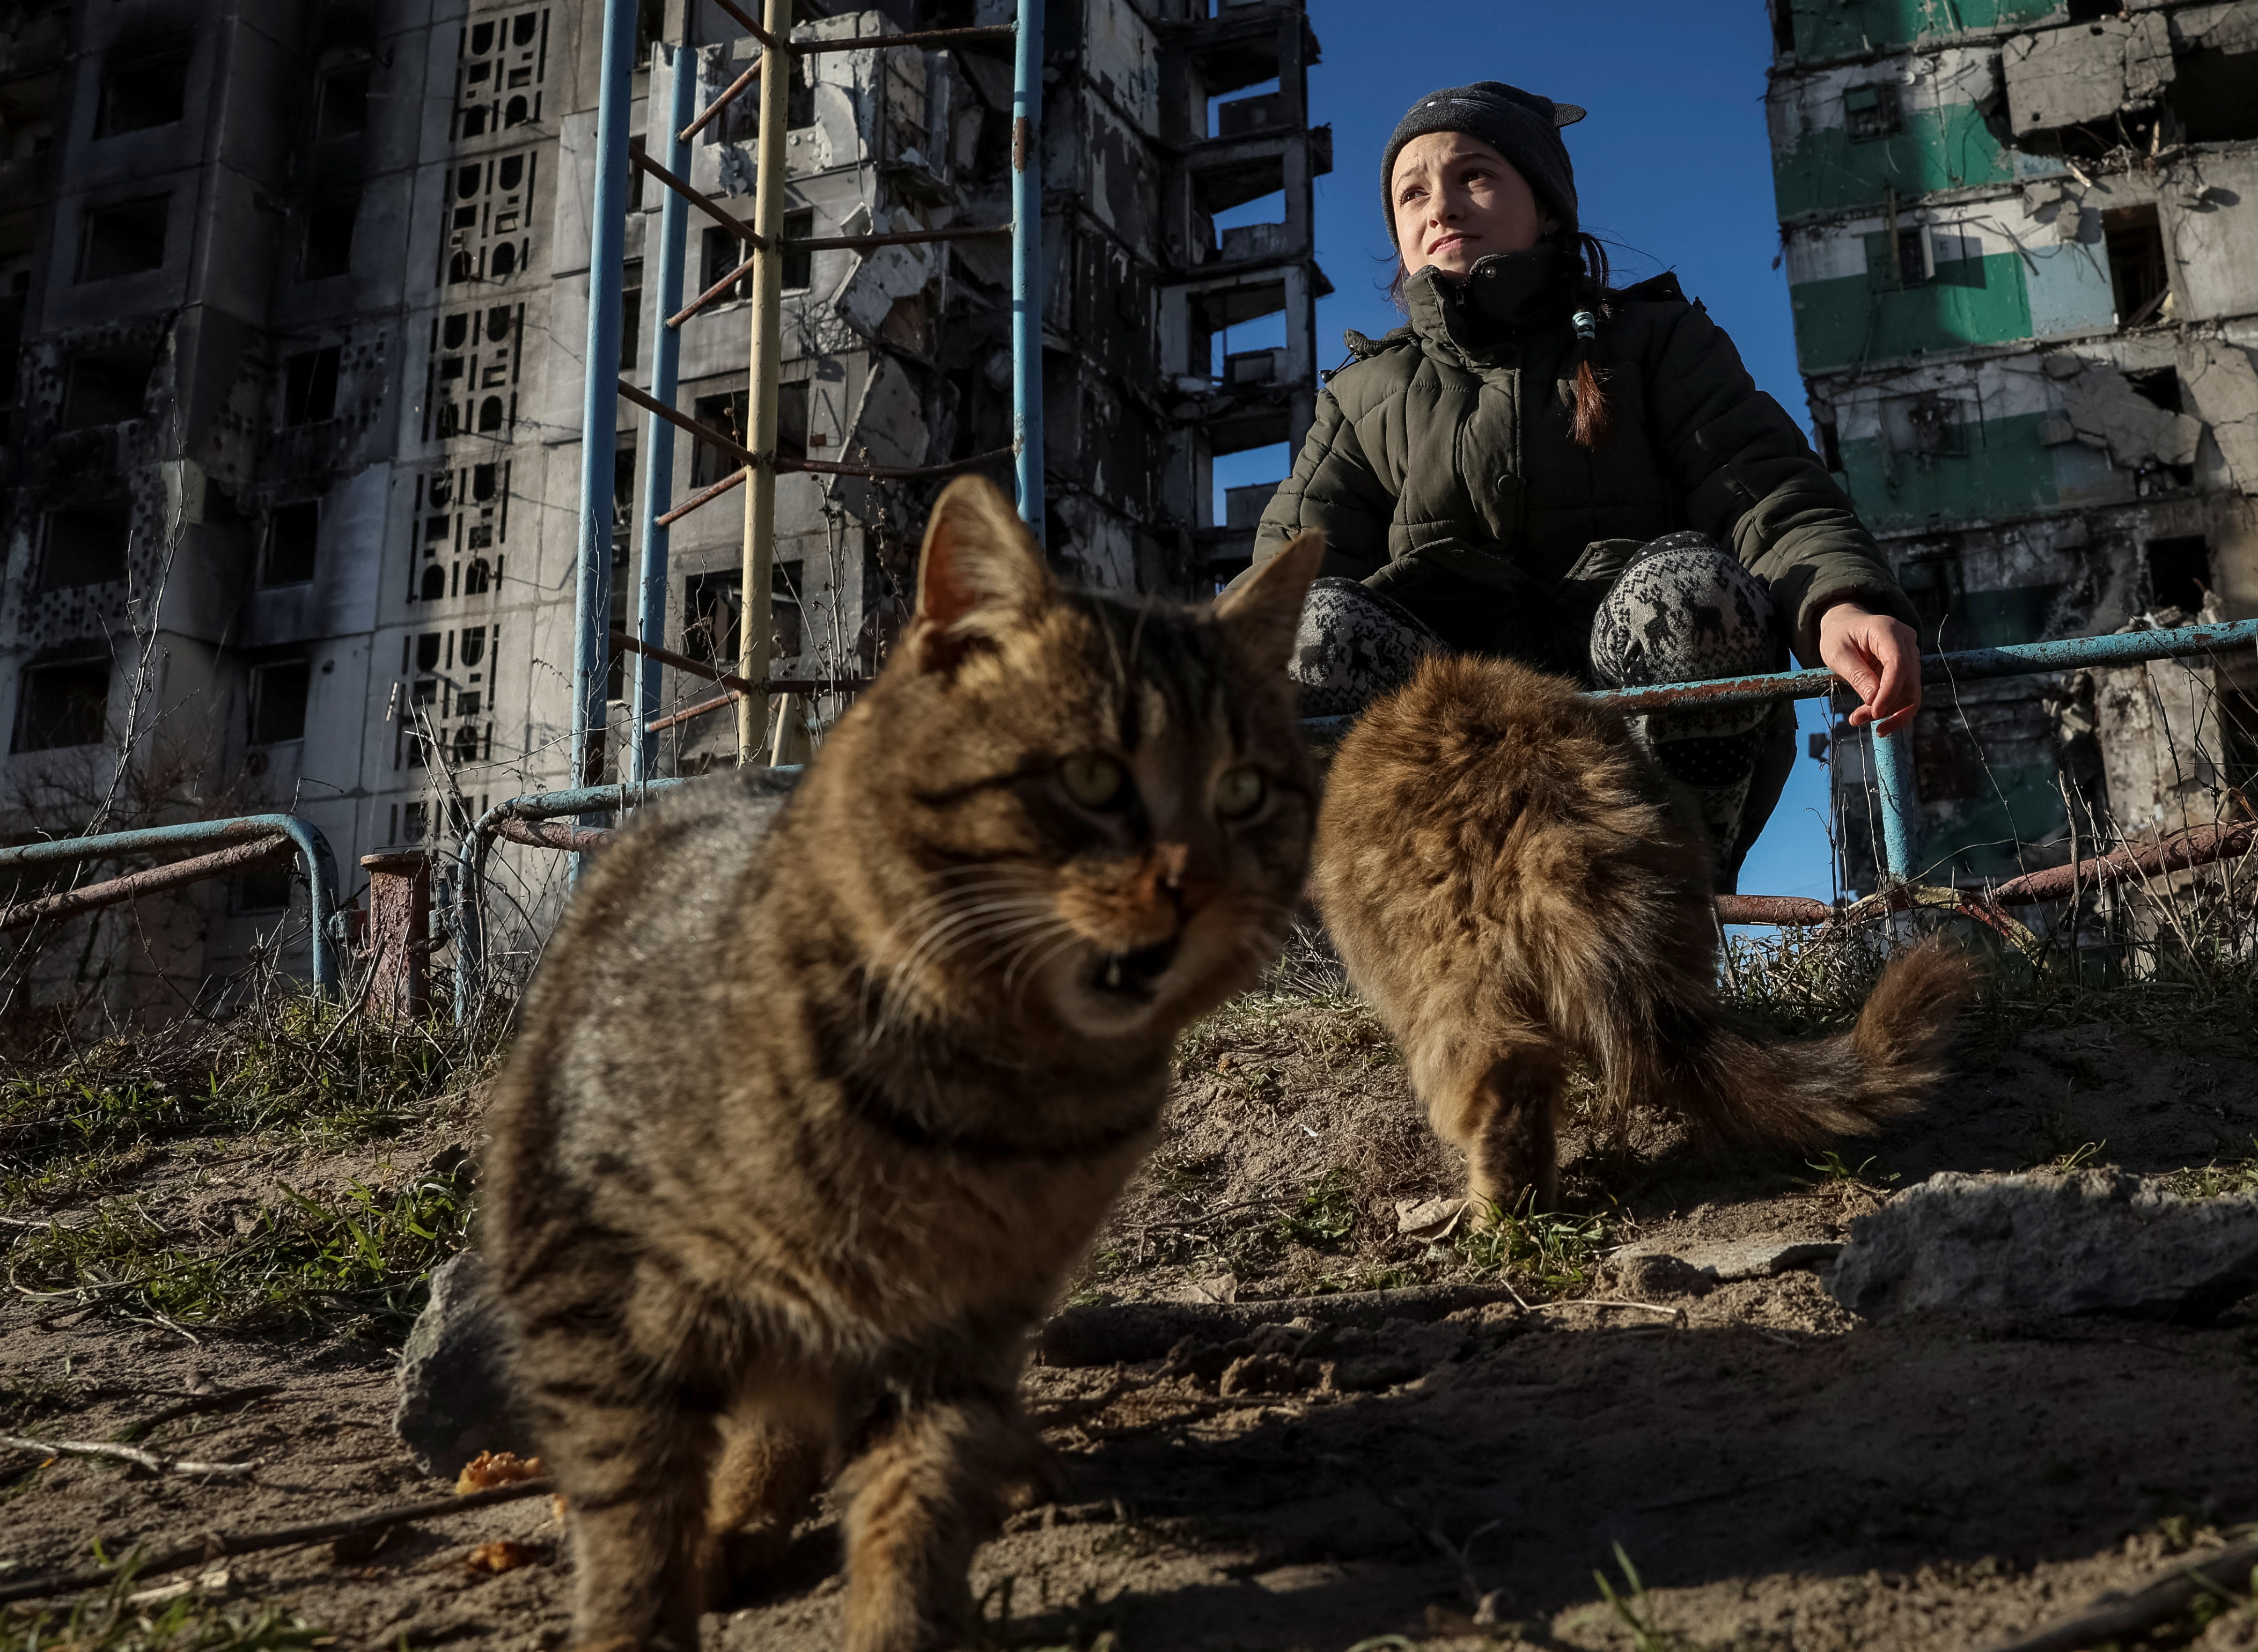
2004, 470
1838, 28
1946, 148
2069, 290
1853, 319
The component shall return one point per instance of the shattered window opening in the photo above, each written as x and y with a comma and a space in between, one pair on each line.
713, 612
61, 703
278, 700
1872, 111
2160, 388
125, 240
719, 253
784, 617
327, 250
292, 533
2213, 95
141, 93
309, 387
630, 313
107, 387
2138, 275
86, 544
791, 420
2179, 572
341, 108
798, 263
725, 413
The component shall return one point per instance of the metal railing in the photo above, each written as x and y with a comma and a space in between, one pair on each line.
249, 839
757, 457
1893, 772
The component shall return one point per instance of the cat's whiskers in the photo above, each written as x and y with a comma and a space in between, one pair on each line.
952, 933
1035, 969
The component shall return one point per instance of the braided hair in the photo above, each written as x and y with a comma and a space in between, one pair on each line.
1586, 260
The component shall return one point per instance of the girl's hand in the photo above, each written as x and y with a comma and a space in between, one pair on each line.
1880, 657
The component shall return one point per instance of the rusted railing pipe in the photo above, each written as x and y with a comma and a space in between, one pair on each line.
721, 102
743, 230
2202, 846
312, 848
178, 874
707, 496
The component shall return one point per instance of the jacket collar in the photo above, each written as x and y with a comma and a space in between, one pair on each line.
1475, 318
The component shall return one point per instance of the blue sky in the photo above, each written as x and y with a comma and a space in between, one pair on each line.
1672, 168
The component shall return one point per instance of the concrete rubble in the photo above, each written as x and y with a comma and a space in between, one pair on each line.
2099, 1242
2061, 76
2105, 411
1722, 1261
455, 1401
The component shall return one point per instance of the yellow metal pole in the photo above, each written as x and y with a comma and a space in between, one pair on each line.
761, 400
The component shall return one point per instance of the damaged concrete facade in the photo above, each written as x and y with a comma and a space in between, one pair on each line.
2021, 239
299, 295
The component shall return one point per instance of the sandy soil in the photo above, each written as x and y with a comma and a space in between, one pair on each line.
1316, 1464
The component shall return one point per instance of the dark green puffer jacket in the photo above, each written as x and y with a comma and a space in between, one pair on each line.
1442, 469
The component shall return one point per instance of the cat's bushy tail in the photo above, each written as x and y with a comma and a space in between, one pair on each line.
1741, 1080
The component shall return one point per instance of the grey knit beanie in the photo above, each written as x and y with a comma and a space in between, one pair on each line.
1520, 125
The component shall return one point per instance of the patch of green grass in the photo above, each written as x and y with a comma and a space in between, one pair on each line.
111, 1623
1833, 1168
1557, 1253
1326, 1215
1633, 1609
2216, 1180
303, 1067
366, 1255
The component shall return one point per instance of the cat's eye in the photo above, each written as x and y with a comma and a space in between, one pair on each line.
1240, 793
1094, 779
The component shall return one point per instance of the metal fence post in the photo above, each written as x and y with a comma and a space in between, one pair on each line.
1894, 775
599, 398
766, 358
659, 434
399, 935
1027, 264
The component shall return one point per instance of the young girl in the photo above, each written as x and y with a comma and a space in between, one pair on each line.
1588, 480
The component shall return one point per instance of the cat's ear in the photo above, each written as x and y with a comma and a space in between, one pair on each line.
980, 572
1265, 610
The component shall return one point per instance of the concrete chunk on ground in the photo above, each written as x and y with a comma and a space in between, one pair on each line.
1725, 1260
455, 1398
2099, 1242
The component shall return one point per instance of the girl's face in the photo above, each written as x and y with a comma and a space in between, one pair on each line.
1457, 201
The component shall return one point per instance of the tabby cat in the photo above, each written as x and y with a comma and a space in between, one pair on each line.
817, 1100
1513, 885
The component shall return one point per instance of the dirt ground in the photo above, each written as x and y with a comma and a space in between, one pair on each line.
1285, 1424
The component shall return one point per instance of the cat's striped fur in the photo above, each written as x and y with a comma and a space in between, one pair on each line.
808, 1119
1514, 885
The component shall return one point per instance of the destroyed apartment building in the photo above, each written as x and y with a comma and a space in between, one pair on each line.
298, 293
2021, 240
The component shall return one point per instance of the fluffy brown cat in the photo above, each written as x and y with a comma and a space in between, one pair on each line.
1510, 882
808, 1119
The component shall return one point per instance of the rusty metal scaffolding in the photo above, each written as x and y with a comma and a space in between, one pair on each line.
759, 462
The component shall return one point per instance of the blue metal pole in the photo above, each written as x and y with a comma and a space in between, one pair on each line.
1027, 263
658, 435
1900, 805
600, 393
1971, 665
